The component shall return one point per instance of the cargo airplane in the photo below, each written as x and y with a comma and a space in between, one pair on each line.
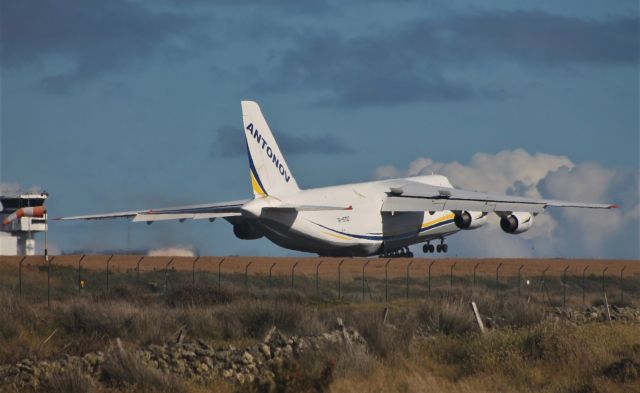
382, 217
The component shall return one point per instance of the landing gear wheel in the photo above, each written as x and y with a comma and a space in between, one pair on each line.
427, 248
439, 248
445, 248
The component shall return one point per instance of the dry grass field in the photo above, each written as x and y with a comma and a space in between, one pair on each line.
164, 333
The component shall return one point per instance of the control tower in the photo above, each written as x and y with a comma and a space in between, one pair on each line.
17, 237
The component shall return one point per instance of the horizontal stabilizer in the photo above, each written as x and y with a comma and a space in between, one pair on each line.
151, 217
191, 212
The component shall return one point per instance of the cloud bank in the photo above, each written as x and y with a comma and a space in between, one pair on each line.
418, 60
558, 232
78, 40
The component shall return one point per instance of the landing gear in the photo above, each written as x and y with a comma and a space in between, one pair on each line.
429, 248
401, 252
442, 248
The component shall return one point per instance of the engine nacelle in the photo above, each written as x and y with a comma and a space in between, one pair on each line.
516, 222
470, 220
246, 231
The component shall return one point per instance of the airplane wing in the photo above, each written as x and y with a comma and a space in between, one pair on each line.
209, 211
414, 196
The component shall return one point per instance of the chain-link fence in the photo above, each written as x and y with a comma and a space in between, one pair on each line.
560, 283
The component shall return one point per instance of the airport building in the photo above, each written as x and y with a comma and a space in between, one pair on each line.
17, 236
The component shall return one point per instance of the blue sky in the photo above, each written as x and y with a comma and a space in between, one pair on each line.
125, 105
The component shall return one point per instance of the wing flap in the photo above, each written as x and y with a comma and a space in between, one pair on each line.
414, 196
305, 208
399, 204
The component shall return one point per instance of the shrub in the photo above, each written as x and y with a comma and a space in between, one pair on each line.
124, 369
383, 340
198, 296
68, 380
129, 293
448, 317
312, 373
623, 370
255, 318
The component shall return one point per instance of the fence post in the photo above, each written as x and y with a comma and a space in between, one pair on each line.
564, 286
476, 313
20, 275
340, 279
270, 270
603, 287
498, 276
621, 287
431, 264
293, 272
246, 275
408, 267
364, 266
519, 278
108, 262
386, 281
80, 277
166, 275
474, 274
138, 268
48, 260
544, 272
318, 277
543, 284
583, 273
451, 275
220, 273
193, 271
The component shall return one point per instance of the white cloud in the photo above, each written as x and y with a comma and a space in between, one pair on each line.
385, 172
557, 232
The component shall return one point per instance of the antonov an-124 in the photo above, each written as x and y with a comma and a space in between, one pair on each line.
382, 217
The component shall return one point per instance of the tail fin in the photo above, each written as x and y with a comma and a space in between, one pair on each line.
270, 174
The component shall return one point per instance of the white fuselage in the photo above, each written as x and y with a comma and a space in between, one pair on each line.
361, 230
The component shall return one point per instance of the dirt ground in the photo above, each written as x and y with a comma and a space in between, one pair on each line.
328, 267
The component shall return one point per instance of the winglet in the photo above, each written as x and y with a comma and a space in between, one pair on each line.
613, 207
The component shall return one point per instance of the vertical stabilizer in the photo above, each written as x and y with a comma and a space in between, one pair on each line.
270, 174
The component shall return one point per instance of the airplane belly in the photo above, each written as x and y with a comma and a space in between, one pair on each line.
336, 233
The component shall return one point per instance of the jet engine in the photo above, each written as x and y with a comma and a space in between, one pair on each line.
470, 220
246, 231
516, 222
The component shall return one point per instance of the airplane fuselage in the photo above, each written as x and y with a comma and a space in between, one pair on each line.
360, 230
